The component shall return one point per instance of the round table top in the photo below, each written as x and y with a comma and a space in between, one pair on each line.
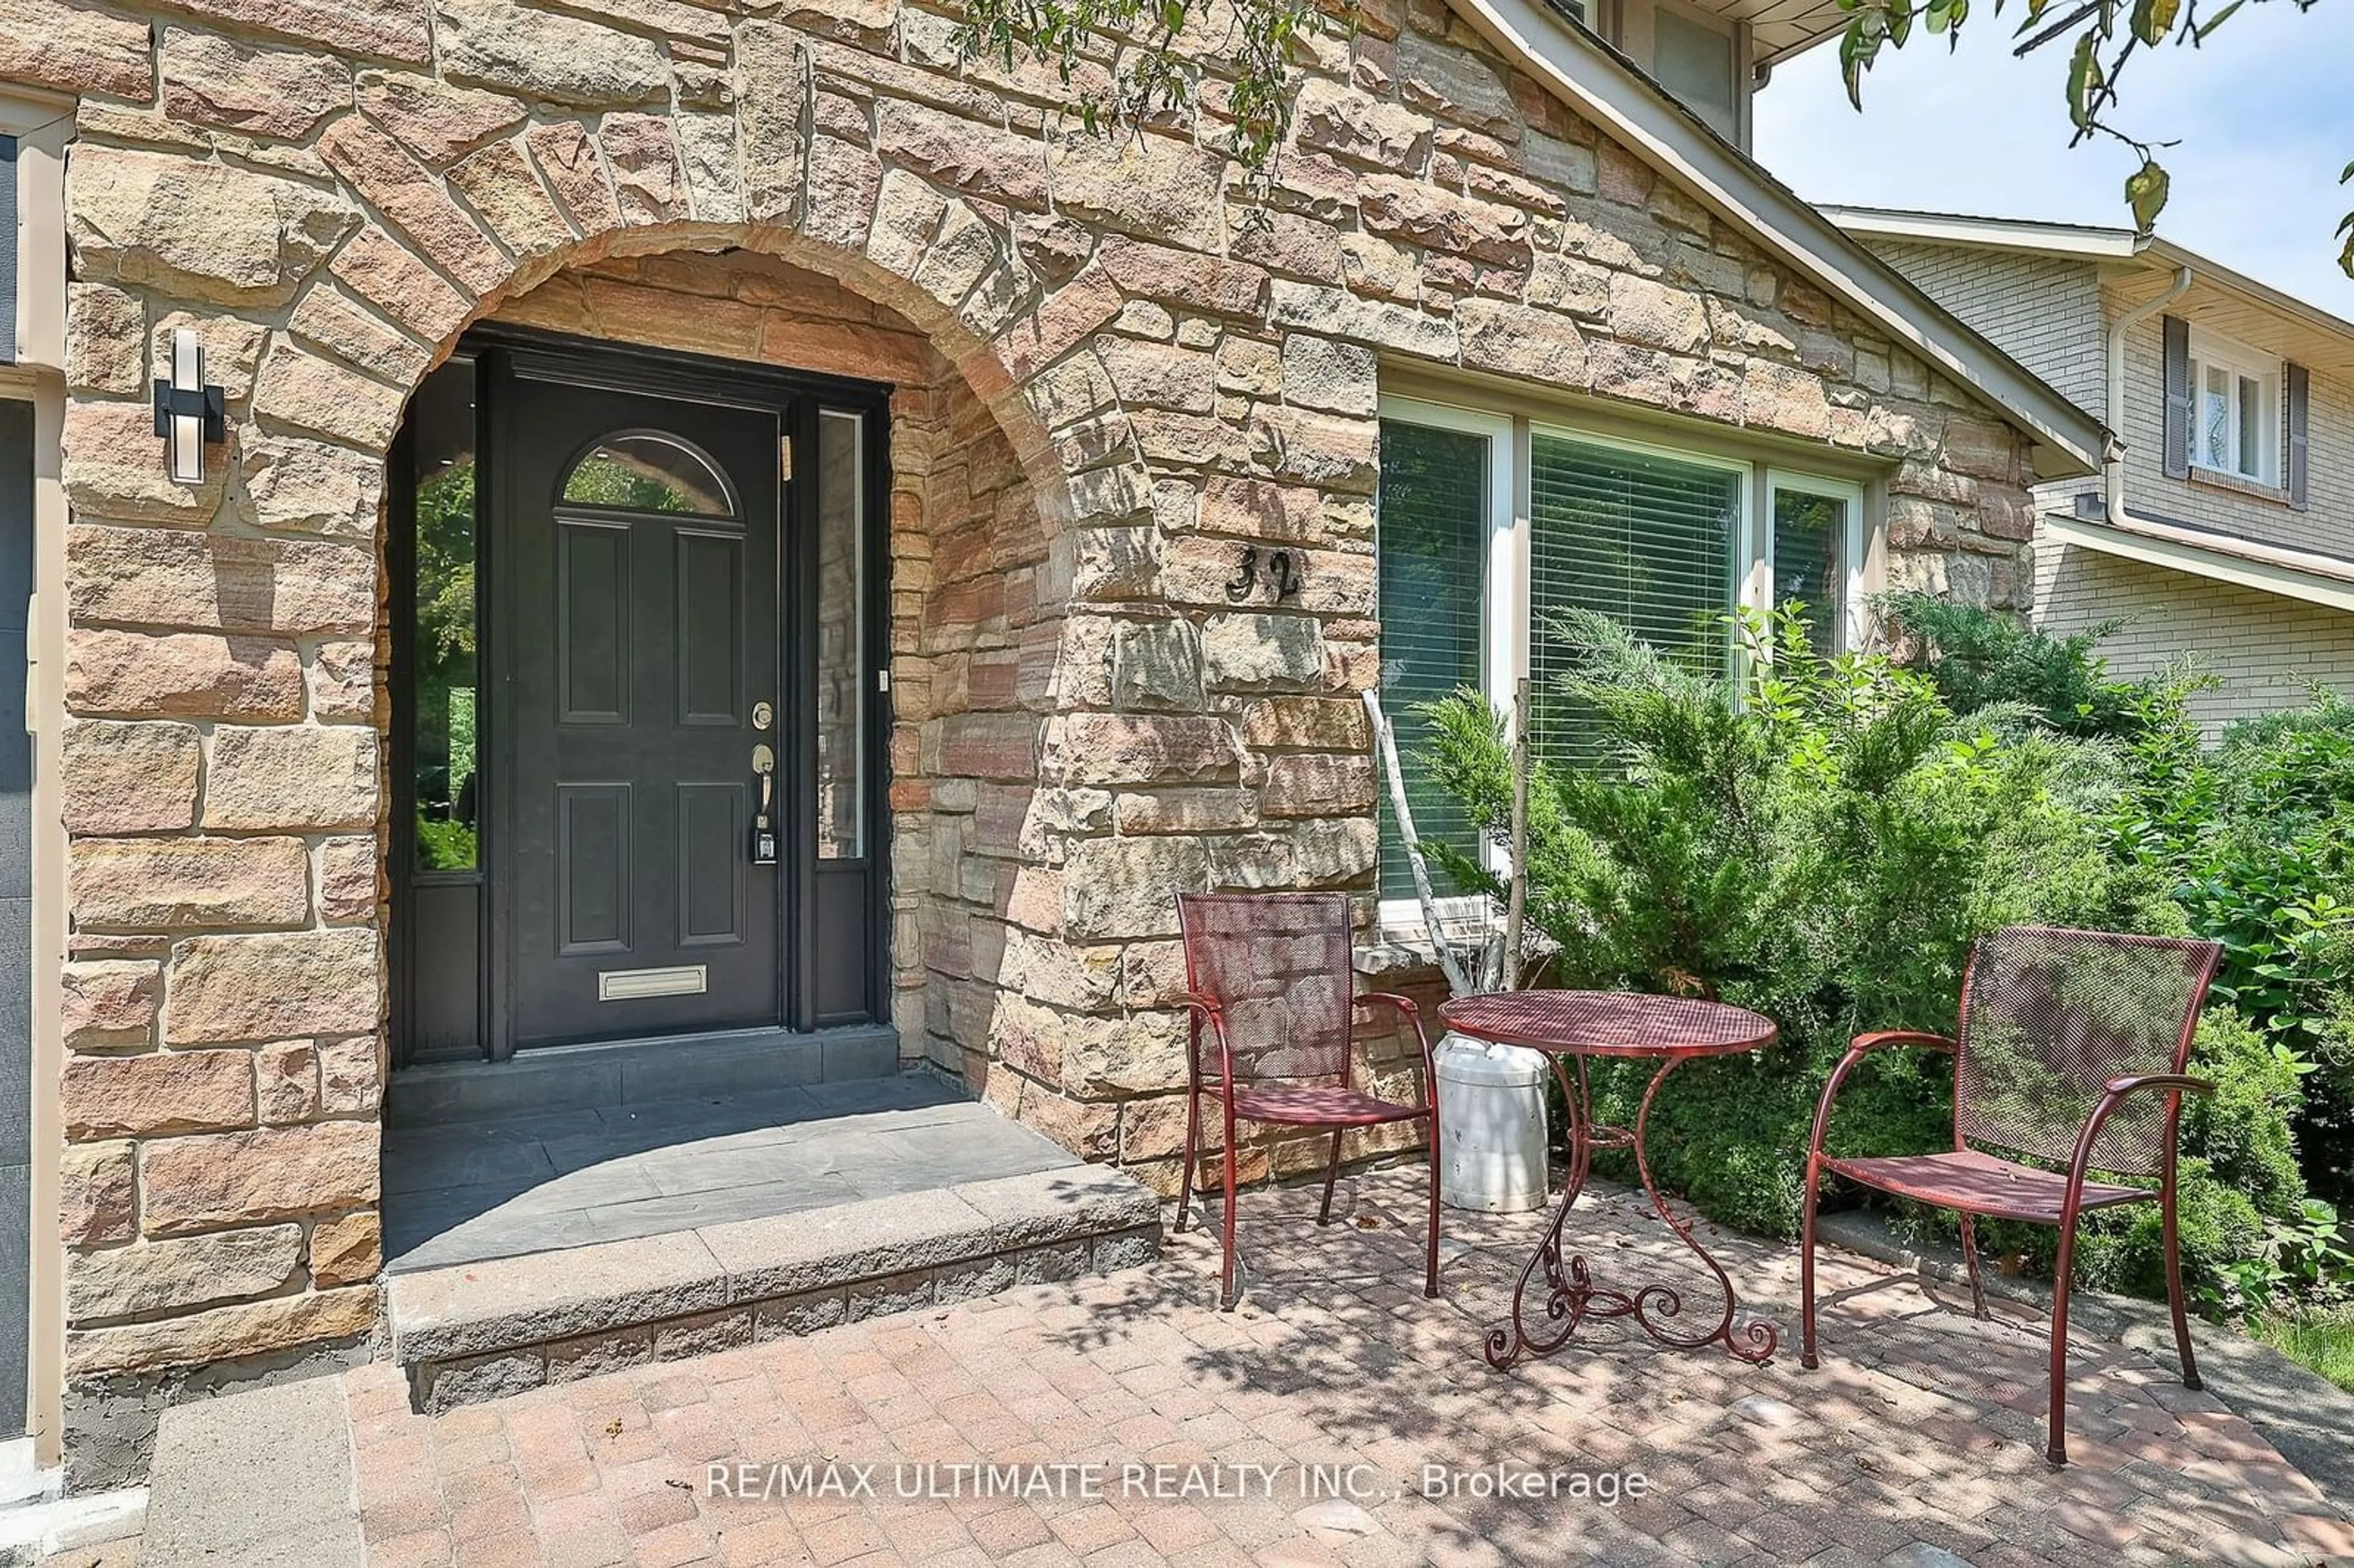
1608, 1024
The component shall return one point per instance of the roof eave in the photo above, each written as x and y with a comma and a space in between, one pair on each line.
1647, 123
2291, 574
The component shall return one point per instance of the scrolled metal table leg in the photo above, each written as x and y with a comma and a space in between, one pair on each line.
1761, 1337
1565, 1286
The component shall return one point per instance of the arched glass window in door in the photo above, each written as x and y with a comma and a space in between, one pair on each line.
648, 470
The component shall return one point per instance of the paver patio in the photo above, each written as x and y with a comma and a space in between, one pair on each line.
1920, 1438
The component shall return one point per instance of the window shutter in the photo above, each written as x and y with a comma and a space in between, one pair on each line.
2300, 399
1647, 541
2177, 456
1433, 525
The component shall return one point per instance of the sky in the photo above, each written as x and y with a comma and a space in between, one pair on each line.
2264, 114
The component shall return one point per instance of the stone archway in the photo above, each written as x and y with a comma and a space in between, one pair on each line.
224, 760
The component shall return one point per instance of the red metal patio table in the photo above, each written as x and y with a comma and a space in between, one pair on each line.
1570, 1027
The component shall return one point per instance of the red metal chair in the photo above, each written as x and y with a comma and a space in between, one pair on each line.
2072, 1051
1270, 973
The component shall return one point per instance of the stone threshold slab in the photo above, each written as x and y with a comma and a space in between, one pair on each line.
480, 1330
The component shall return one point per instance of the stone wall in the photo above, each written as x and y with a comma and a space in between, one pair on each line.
1155, 367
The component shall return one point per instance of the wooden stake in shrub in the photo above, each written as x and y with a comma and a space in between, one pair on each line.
1457, 982
1511, 965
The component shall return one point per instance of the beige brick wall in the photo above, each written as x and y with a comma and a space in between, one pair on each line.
1121, 366
2263, 649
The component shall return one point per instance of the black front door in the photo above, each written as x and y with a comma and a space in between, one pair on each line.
640, 641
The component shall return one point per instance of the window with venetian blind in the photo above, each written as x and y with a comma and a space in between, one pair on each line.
1665, 542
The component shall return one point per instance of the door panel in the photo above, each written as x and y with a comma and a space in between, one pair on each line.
639, 630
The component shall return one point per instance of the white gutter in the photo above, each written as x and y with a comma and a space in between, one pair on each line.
2113, 460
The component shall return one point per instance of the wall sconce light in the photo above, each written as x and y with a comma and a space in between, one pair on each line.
189, 415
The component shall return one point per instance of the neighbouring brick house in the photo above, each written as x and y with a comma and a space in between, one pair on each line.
2224, 526
989, 507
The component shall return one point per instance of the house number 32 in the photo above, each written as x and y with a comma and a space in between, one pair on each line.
1282, 576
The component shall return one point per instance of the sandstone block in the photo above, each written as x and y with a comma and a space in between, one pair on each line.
109, 1004
211, 1180
286, 1082
545, 55
1438, 220
1306, 724
128, 778
1138, 748
977, 160
177, 884
644, 157
343, 681
1263, 652
1444, 78
328, 319
380, 270
177, 1276
279, 93
772, 129
222, 1333
311, 487
69, 48
575, 170
97, 1194
1119, 889
350, 1074
105, 336
501, 188
312, 777
219, 581
438, 122
1336, 377
321, 396
272, 986
181, 675
1340, 119
157, 1092
347, 880
1155, 664
1656, 315
1144, 184
197, 230
1314, 785
1519, 340
347, 1249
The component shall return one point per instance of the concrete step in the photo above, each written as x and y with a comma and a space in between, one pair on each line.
480, 1330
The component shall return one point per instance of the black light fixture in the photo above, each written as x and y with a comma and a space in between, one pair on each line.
189, 415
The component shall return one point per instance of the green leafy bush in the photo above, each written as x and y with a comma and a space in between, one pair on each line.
1981, 659
1820, 842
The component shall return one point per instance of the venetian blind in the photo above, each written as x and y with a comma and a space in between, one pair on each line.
1433, 522
1647, 541
1809, 532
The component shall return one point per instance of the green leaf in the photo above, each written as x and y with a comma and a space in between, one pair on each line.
1900, 21
2154, 19
2146, 189
2083, 79
1858, 48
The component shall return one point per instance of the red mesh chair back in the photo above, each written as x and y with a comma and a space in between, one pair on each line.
2049, 1016
1279, 966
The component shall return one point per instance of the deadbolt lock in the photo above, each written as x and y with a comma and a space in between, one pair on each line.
763, 716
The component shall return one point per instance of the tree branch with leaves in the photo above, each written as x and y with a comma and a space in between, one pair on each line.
2103, 39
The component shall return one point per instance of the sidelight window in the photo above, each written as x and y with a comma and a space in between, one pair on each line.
445, 621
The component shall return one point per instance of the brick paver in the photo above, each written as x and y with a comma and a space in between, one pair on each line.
1919, 1441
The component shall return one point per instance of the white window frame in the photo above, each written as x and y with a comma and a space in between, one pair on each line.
1855, 629
1508, 600
1501, 646
2212, 352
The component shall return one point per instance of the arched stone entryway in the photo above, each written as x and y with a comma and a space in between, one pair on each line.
226, 756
